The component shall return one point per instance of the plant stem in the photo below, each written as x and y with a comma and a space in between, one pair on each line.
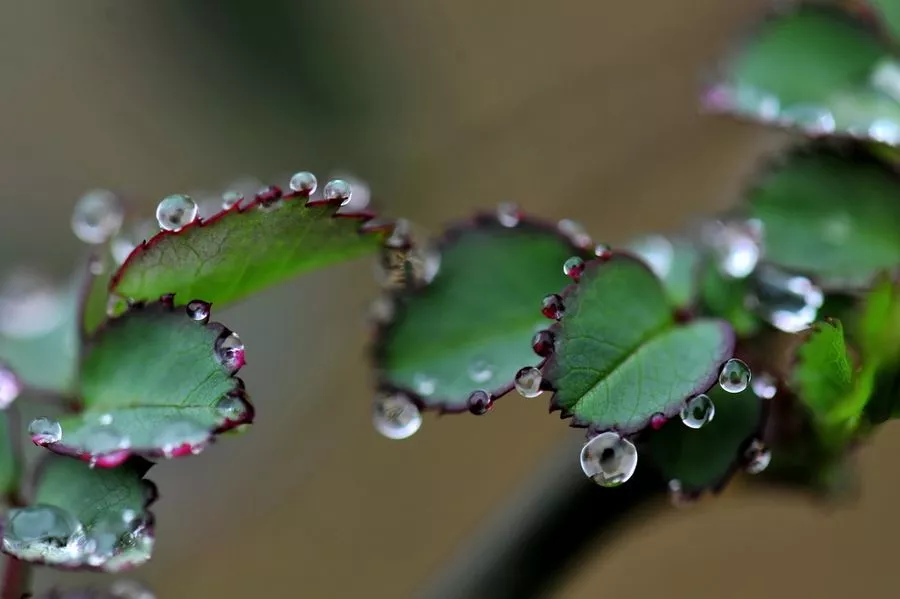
16, 579
530, 546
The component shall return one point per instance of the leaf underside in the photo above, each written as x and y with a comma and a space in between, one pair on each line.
247, 248
620, 357
471, 327
845, 202
151, 378
704, 459
813, 68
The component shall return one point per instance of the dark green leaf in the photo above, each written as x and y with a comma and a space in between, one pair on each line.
675, 261
619, 355
85, 518
845, 205
245, 249
704, 459
471, 328
155, 382
816, 69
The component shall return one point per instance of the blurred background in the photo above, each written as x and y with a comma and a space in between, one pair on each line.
570, 108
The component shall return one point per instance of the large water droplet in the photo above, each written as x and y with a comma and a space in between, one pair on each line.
44, 532
480, 402
573, 267
542, 343
576, 232
198, 310
788, 302
44, 431
30, 305
698, 411
395, 416
508, 214
609, 459
736, 245
735, 376
232, 408
481, 371
757, 456
97, 216
180, 437
337, 190
424, 384
230, 351
764, 385
553, 307
528, 382
175, 212
304, 182
656, 251
103, 439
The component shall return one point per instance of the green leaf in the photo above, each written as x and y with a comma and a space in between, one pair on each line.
726, 298
844, 203
889, 13
705, 458
878, 332
245, 249
471, 328
675, 261
620, 357
154, 382
816, 69
94, 294
10, 462
87, 518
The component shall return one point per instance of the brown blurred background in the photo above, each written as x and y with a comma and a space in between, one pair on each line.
571, 108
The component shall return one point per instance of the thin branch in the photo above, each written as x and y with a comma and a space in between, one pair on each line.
16, 579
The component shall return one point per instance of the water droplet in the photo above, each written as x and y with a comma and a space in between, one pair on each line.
232, 407
885, 77
480, 402
230, 351
44, 532
811, 119
573, 267
10, 386
337, 189
424, 384
542, 343
788, 302
304, 182
758, 457
656, 251
198, 310
30, 306
108, 533
105, 419
45, 431
764, 385
737, 246
395, 416
180, 437
657, 421
735, 376
528, 382
553, 307
97, 216
230, 199
602, 251
508, 214
609, 459
103, 439
268, 198
481, 371
699, 410
576, 232
130, 589
175, 212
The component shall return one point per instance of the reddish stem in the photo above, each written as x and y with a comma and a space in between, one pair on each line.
16, 579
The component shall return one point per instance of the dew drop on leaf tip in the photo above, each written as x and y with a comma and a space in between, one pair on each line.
97, 216
230, 199
198, 310
303, 182
609, 459
698, 411
45, 431
508, 214
552, 307
757, 457
337, 189
528, 382
575, 232
734, 376
175, 212
479, 402
573, 268
542, 343
230, 351
231, 407
395, 416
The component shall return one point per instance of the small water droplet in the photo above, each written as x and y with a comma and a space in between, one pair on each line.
508, 214
481, 371
576, 232
552, 307
198, 310
101, 439
480, 402
602, 251
424, 384
698, 411
755, 102
657, 421
788, 302
337, 189
542, 343
609, 459
105, 419
737, 246
230, 199
230, 351
304, 182
809, 118
528, 382
45, 431
232, 408
395, 416
180, 437
268, 198
764, 385
757, 456
108, 533
176, 211
573, 267
656, 251
735, 376
97, 216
